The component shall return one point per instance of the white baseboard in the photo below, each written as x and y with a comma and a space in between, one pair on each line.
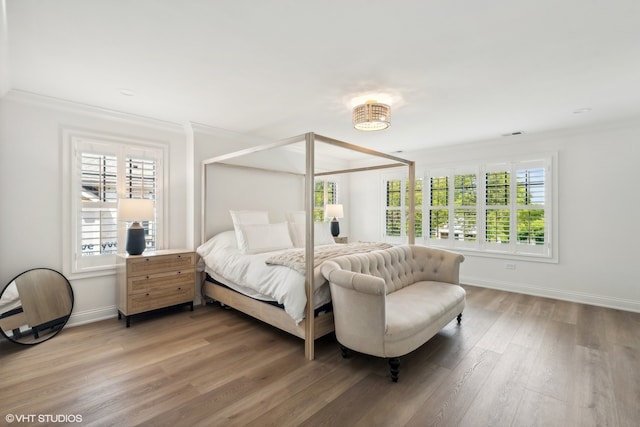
579, 297
89, 316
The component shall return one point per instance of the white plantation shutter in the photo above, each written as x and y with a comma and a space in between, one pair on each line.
498, 206
396, 216
104, 171
99, 202
453, 208
325, 193
419, 197
531, 208
393, 208
140, 182
501, 208
465, 197
439, 207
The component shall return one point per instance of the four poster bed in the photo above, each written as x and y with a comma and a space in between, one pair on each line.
244, 268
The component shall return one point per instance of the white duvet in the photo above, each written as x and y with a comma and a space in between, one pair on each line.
250, 275
10, 298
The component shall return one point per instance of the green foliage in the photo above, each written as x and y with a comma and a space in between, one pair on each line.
325, 193
440, 191
497, 225
438, 221
465, 190
531, 226
498, 188
394, 193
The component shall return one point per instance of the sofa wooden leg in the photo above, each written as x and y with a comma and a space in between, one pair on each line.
345, 352
459, 318
394, 364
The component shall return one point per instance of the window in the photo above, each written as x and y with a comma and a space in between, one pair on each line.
325, 193
99, 200
103, 170
397, 208
497, 216
507, 211
530, 202
465, 191
418, 208
438, 210
517, 208
393, 209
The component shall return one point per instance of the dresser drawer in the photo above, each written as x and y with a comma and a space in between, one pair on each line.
159, 298
159, 263
137, 284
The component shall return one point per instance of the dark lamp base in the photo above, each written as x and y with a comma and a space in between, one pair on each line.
335, 228
135, 239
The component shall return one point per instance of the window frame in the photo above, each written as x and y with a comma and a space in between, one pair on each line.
547, 252
74, 143
326, 183
403, 208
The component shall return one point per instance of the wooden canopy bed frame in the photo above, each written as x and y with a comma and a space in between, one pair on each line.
312, 327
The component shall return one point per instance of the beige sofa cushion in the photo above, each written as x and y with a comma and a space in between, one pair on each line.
417, 312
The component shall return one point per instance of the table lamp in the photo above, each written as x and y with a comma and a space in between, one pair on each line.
135, 210
334, 211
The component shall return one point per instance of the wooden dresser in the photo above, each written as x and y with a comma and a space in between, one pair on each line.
154, 280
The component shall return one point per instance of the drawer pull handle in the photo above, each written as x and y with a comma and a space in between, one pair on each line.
147, 294
147, 277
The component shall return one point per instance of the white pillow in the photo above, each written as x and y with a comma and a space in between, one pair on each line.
265, 237
247, 217
321, 234
224, 240
296, 227
296, 217
296, 231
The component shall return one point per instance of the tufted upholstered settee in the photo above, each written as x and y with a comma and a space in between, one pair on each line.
389, 302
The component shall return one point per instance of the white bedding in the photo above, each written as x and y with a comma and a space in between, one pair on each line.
10, 298
250, 275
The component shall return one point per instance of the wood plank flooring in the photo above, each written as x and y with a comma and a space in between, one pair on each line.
516, 360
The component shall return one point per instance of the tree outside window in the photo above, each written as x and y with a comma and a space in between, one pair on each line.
325, 193
397, 208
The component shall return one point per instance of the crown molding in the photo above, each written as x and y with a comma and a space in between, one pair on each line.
59, 104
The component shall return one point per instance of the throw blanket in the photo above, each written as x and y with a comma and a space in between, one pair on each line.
295, 258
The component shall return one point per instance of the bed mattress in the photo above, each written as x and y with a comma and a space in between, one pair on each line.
250, 275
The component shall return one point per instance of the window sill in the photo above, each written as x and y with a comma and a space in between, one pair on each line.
501, 255
88, 274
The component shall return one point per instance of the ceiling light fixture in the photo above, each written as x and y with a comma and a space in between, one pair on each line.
371, 116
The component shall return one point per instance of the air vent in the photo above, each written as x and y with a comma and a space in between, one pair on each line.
513, 133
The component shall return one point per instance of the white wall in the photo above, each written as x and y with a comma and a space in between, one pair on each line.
31, 176
598, 207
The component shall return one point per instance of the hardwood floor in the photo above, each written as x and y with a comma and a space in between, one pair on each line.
516, 360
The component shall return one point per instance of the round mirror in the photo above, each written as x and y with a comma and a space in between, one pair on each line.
35, 306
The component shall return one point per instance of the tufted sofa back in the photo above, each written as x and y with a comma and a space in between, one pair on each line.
401, 266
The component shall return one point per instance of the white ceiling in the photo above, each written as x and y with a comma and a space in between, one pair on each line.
454, 71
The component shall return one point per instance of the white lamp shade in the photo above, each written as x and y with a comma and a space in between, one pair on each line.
334, 211
130, 210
